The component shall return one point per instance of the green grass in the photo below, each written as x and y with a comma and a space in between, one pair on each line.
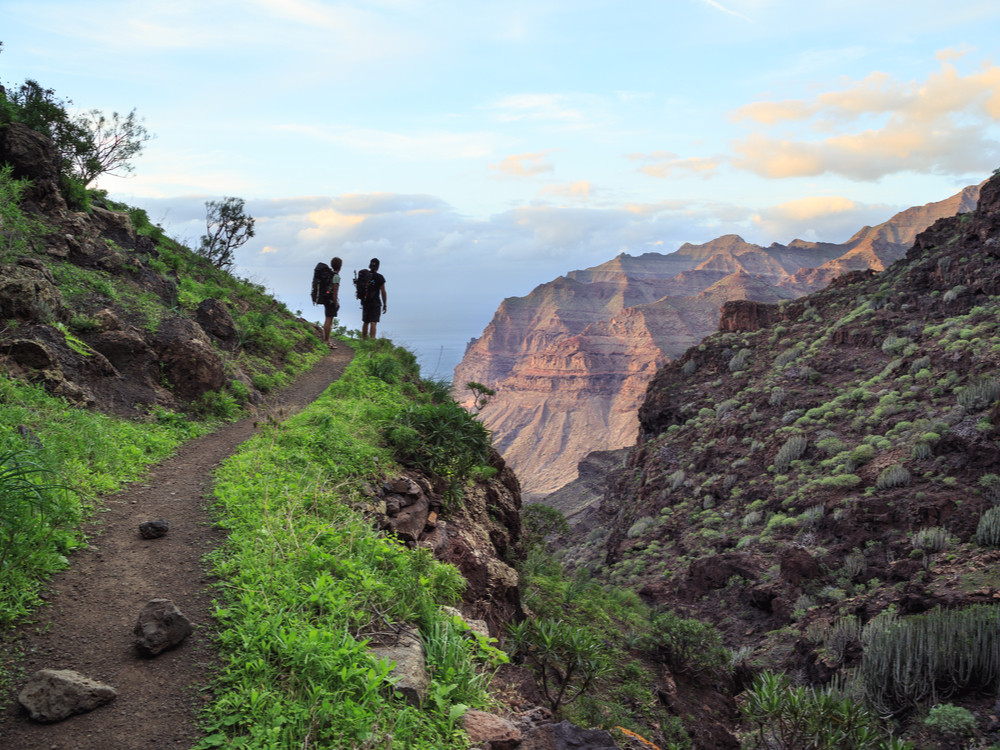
69, 457
307, 581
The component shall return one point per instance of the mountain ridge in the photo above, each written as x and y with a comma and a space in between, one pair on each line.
535, 346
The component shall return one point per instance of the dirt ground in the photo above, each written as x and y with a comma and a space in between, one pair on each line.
93, 605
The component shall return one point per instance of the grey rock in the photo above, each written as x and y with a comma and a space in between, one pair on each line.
490, 731
410, 672
153, 529
161, 626
56, 694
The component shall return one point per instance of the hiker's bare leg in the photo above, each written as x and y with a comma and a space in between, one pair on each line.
364, 331
327, 325
373, 329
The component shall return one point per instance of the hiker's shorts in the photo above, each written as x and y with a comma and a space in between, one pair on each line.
332, 308
371, 312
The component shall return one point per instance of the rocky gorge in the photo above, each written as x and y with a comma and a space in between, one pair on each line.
570, 362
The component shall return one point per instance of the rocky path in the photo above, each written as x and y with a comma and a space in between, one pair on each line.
93, 606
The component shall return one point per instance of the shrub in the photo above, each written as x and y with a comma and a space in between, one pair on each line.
931, 539
862, 455
450, 441
640, 527
988, 529
687, 645
893, 476
566, 659
990, 484
947, 718
979, 394
792, 718
932, 656
793, 448
739, 360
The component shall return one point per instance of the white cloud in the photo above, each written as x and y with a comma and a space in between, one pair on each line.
524, 165
945, 124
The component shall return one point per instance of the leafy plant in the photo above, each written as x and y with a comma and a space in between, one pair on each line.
686, 644
949, 719
787, 717
567, 660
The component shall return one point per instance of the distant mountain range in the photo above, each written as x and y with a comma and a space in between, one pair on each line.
571, 360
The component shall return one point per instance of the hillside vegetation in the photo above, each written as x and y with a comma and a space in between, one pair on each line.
820, 483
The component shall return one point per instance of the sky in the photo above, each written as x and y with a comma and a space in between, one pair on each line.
481, 148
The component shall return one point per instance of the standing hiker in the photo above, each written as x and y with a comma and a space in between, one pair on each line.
370, 289
326, 292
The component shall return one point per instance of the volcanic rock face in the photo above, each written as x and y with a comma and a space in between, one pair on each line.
571, 361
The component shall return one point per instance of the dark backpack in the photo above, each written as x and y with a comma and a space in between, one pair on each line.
322, 281
365, 287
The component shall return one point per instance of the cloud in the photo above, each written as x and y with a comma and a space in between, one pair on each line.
724, 9
821, 218
524, 165
579, 190
945, 124
664, 164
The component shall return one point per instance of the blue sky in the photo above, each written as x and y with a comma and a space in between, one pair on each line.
482, 148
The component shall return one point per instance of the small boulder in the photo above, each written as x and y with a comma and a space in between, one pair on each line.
410, 672
153, 529
564, 736
490, 732
161, 626
56, 694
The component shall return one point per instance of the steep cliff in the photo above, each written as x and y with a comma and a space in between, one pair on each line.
571, 360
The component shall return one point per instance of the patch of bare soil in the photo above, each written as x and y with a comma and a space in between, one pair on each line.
93, 605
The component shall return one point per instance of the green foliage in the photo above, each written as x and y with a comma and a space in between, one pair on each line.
988, 528
739, 360
113, 142
927, 657
566, 660
538, 521
687, 645
481, 394
227, 228
37, 520
792, 450
990, 486
308, 580
949, 719
787, 717
980, 393
18, 228
930, 540
894, 475
440, 438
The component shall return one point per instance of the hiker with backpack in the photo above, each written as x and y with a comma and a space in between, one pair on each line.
369, 287
326, 292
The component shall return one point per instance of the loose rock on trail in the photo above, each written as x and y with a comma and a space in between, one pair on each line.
93, 606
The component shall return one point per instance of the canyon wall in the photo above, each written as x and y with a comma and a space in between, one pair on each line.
570, 361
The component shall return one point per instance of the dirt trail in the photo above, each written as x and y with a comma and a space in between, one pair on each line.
93, 605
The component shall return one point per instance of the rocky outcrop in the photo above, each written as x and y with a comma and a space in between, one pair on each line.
571, 361
479, 535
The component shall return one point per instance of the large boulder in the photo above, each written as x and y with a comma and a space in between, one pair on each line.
214, 318
188, 361
34, 157
28, 292
56, 694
